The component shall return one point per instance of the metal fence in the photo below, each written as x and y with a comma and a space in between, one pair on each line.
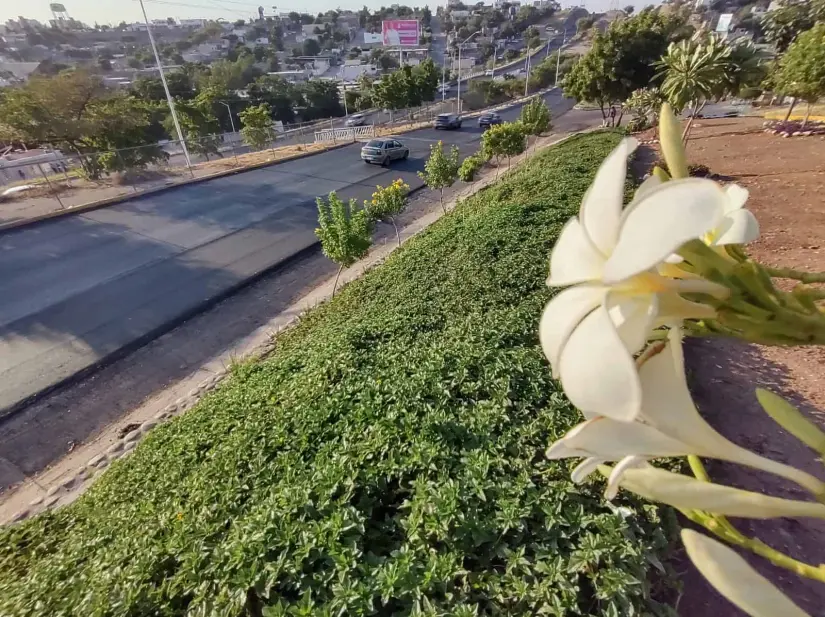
38, 185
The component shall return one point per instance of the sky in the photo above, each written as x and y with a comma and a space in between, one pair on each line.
115, 11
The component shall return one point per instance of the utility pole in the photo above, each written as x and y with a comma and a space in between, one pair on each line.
527, 80
495, 56
231, 121
166, 88
558, 58
460, 45
443, 79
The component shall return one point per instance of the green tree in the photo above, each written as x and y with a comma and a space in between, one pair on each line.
801, 71
629, 9
199, 126
532, 38
535, 117
311, 47
507, 139
74, 111
623, 58
441, 170
320, 98
427, 77
256, 126
344, 232
782, 25
470, 167
278, 93
387, 203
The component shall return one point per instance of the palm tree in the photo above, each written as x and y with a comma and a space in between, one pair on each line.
694, 70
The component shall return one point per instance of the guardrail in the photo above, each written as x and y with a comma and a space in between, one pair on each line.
351, 133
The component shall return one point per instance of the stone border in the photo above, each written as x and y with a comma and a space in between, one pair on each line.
66, 489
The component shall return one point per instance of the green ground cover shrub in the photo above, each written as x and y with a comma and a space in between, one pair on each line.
386, 459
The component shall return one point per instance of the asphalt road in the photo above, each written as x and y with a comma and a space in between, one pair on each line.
84, 287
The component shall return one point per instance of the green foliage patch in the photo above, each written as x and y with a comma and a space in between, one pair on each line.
386, 459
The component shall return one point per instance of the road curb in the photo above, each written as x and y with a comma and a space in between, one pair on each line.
111, 201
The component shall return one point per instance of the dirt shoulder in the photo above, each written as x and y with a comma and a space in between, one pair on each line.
786, 180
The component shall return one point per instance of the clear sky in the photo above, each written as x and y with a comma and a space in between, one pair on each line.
115, 11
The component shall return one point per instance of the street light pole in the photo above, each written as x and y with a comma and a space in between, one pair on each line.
458, 95
558, 58
527, 79
231, 121
166, 88
443, 79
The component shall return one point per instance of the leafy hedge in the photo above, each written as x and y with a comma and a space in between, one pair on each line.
387, 459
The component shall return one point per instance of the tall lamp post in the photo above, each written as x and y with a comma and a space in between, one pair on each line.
458, 96
166, 88
558, 57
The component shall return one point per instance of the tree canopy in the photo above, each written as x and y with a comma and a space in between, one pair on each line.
76, 112
802, 69
623, 58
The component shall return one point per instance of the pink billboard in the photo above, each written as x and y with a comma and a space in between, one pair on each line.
400, 32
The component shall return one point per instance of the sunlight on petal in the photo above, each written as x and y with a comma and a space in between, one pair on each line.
561, 316
574, 258
597, 371
667, 217
738, 227
601, 208
737, 197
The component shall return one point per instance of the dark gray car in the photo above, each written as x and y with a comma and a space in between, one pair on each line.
383, 151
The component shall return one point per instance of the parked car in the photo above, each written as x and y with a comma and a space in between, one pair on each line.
489, 119
448, 121
383, 151
356, 120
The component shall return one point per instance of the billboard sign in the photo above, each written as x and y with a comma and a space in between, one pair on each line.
400, 32
724, 22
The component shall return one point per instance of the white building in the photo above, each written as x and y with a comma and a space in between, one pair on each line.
16, 166
136, 27
192, 23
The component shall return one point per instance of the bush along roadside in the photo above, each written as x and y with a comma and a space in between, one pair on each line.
386, 459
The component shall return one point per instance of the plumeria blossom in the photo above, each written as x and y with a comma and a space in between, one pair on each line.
668, 424
688, 493
736, 580
615, 262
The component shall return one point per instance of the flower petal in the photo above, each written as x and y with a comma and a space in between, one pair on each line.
597, 372
661, 222
688, 493
737, 227
633, 317
668, 406
737, 581
601, 208
611, 440
574, 258
628, 462
649, 183
561, 316
670, 140
737, 197
585, 468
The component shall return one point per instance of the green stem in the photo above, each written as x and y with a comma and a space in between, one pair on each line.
698, 468
798, 275
721, 527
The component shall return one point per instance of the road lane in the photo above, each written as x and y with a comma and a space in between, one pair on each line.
84, 287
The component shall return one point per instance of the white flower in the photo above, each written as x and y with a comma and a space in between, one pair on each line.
737, 581
687, 493
590, 331
668, 424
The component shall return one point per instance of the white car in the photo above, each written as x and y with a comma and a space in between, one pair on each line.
355, 120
